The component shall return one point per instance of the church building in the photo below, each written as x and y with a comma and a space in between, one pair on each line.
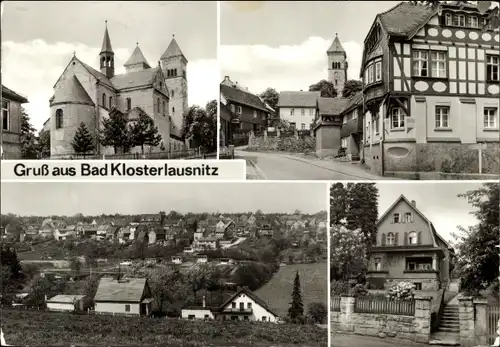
84, 94
337, 65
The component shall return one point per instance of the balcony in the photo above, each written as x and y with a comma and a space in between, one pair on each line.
239, 310
352, 126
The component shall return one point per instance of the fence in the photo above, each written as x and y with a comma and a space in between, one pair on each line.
186, 154
335, 303
384, 306
493, 315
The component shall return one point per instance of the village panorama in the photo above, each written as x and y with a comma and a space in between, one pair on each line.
165, 278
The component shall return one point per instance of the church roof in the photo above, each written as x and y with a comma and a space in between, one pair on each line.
97, 74
137, 58
106, 42
336, 46
72, 91
135, 79
173, 50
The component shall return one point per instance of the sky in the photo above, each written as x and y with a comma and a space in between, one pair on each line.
287, 49
39, 38
437, 201
45, 199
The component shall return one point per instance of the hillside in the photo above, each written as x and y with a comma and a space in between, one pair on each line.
278, 291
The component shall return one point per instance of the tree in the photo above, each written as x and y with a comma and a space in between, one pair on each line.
82, 141
44, 144
144, 132
338, 204
114, 131
296, 310
28, 137
200, 126
270, 97
317, 312
492, 19
75, 265
285, 126
347, 253
351, 87
325, 87
477, 256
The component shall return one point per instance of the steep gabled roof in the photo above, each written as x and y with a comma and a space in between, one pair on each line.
354, 101
336, 46
251, 295
242, 97
129, 290
97, 74
72, 91
298, 99
173, 50
137, 58
405, 18
106, 42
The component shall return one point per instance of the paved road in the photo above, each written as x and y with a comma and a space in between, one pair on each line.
366, 341
274, 166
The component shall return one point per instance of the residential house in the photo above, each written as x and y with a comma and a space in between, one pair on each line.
298, 108
251, 220
67, 303
224, 229
31, 230
351, 131
177, 259
226, 123
248, 111
431, 88
206, 243
408, 248
131, 296
103, 230
156, 234
199, 312
65, 232
247, 306
328, 126
10, 140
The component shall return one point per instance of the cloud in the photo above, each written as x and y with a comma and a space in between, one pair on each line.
293, 67
32, 68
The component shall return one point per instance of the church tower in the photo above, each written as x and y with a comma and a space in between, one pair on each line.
337, 65
174, 65
107, 56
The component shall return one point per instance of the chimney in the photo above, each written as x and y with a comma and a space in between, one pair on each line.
204, 303
413, 203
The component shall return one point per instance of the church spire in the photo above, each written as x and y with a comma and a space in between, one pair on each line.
173, 50
137, 61
336, 46
107, 57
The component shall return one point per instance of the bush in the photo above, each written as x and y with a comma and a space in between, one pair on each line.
401, 291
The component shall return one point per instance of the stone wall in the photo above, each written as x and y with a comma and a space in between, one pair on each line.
473, 321
387, 326
295, 144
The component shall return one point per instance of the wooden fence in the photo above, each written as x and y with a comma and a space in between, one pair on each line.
493, 315
186, 154
335, 303
382, 305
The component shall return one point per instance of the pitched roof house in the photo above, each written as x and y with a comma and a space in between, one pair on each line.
408, 248
130, 296
298, 108
10, 141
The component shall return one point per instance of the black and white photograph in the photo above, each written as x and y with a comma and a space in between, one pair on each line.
361, 90
220, 264
414, 264
109, 80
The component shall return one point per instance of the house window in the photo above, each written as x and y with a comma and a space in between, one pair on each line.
158, 105
173, 111
420, 63
104, 100
473, 22
408, 217
378, 264
459, 20
6, 115
366, 76
355, 114
302, 112
110, 101
292, 125
264, 318
172, 94
234, 318
376, 123
336, 82
395, 218
418, 286
397, 118
492, 62
191, 317
311, 112
249, 305
442, 116
233, 305
370, 74
490, 118
129, 104
343, 142
368, 130
378, 71
254, 114
206, 317
448, 19
161, 85
303, 126
412, 238
238, 110
390, 239
292, 111
127, 308
59, 118
245, 318
438, 64
164, 107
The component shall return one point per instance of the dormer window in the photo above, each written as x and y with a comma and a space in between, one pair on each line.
448, 19
473, 22
459, 20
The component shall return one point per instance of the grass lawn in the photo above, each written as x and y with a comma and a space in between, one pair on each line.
313, 283
53, 328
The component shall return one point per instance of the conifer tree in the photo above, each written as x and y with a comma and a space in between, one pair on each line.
82, 141
296, 309
144, 132
115, 132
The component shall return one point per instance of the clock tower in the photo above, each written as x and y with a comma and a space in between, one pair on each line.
337, 65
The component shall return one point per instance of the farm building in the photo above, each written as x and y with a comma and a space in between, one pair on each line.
63, 302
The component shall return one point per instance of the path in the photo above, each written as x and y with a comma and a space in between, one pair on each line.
338, 340
281, 166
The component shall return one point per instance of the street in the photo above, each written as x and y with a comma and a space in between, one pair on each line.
278, 166
366, 341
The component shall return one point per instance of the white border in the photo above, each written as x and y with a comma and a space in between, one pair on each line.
218, 89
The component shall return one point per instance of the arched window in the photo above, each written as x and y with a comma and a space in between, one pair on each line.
103, 99
110, 101
161, 85
390, 239
164, 108
336, 82
172, 93
412, 238
59, 118
173, 111
175, 72
103, 62
129, 104
158, 105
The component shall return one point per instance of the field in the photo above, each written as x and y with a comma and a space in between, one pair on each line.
313, 283
22, 327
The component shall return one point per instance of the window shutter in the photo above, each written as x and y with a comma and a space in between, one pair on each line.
392, 219
412, 217
383, 239
419, 237
396, 239
406, 238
